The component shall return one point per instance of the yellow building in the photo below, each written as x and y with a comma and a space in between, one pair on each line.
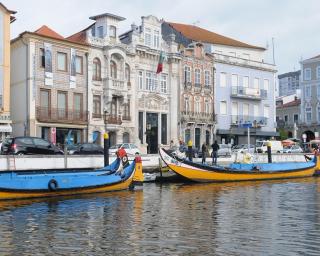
5, 120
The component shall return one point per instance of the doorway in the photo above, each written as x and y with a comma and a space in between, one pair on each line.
152, 133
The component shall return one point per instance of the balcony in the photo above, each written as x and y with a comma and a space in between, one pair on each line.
126, 118
96, 115
256, 121
248, 93
59, 115
200, 117
113, 119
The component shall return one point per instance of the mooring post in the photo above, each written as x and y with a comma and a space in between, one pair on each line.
106, 148
269, 152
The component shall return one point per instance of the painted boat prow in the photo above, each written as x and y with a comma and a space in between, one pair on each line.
205, 173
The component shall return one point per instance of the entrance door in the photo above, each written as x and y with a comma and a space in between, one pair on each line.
152, 132
197, 138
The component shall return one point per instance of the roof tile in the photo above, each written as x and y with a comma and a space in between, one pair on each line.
46, 31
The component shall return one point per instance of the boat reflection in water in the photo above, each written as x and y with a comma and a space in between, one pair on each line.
256, 218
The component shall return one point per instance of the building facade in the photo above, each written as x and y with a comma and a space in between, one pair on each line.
310, 97
197, 118
5, 116
111, 87
289, 83
244, 85
156, 101
49, 87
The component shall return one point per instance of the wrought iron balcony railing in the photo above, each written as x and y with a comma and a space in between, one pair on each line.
60, 115
251, 93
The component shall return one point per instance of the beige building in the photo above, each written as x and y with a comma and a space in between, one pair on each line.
49, 87
5, 118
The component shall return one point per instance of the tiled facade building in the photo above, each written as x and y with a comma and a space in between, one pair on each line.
49, 87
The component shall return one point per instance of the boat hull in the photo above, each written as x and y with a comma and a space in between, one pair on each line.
198, 173
22, 185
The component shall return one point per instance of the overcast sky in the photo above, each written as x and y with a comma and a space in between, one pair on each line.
294, 24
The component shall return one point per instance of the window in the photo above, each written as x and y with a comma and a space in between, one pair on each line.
93, 31
96, 106
42, 58
45, 103
187, 74
112, 31
79, 65
100, 32
256, 83
286, 118
147, 37
41, 142
154, 82
207, 107
223, 107
234, 80
318, 90
113, 69
186, 104
255, 110
77, 105
197, 106
246, 56
266, 85
318, 72
197, 74
96, 70
223, 79
148, 81
245, 110
140, 78
295, 118
207, 78
163, 86
164, 129
266, 111
308, 114
156, 41
127, 73
126, 110
62, 61
62, 105
246, 81
307, 74
308, 91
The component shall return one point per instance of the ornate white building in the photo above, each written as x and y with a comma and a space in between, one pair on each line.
156, 100
111, 99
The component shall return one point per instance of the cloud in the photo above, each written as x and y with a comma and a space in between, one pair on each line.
293, 24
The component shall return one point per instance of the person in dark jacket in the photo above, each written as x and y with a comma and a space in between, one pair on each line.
215, 148
204, 152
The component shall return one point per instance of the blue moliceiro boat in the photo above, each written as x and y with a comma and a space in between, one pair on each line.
118, 175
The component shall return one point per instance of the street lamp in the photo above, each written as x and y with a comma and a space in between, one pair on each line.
148, 136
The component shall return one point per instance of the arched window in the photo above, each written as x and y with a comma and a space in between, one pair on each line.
127, 73
113, 69
96, 72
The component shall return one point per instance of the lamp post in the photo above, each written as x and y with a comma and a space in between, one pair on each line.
148, 136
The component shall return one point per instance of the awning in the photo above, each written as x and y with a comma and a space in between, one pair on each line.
5, 128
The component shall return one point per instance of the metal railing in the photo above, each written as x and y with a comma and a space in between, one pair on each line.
61, 115
113, 119
252, 93
254, 120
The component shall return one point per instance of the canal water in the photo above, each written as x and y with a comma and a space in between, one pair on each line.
245, 218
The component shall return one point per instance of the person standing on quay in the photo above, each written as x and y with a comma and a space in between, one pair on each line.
190, 150
215, 148
204, 152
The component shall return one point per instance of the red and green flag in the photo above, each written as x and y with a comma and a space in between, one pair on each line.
160, 63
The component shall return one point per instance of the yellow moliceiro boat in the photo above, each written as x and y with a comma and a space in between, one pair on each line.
205, 173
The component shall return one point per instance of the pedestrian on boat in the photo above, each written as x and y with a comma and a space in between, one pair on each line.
190, 150
204, 153
215, 148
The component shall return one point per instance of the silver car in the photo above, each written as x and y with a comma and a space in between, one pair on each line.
293, 149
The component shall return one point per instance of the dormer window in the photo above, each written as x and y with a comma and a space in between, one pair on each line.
156, 39
113, 31
100, 32
147, 36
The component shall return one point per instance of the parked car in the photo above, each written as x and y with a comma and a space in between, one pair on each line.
130, 148
276, 146
87, 149
29, 145
224, 150
292, 149
243, 148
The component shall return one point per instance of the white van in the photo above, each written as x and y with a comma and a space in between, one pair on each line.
276, 146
